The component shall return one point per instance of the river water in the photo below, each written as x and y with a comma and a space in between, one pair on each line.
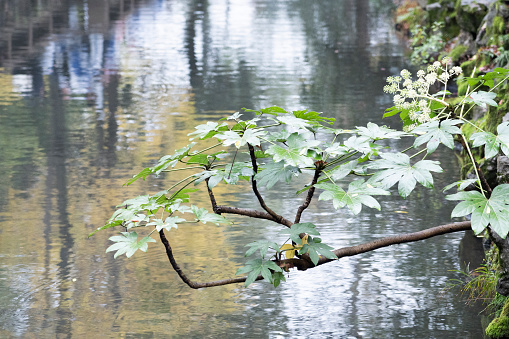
93, 91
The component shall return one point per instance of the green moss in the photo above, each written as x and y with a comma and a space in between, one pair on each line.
458, 52
462, 88
468, 67
498, 25
498, 328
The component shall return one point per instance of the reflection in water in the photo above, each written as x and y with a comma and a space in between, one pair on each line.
91, 91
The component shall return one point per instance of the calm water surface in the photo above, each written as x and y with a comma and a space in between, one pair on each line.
93, 91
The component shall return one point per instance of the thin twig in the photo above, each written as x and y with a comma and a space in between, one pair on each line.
255, 188
212, 197
311, 191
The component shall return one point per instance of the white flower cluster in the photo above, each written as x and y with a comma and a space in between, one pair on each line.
417, 92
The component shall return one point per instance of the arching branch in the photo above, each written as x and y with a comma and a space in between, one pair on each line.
255, 187
309, 196
253, 214
304, 262
185, 279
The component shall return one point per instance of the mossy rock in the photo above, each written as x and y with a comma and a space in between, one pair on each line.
470, 16
458, 52
498, 328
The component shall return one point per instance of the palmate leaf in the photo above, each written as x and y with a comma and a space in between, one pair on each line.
168, 223
315, 248
240, 170
162, 164
293, 121
362, 144
256, 267
375, 132
272, 173
389, 112
209, 129
128, 243
488, 78
436, 133
482, 98
337, 150
341, 171
461, 184
493, 142
493, 211
359, 193
296, 229
313, 117
262, 246
296, 153
241, 138
277, 277
108, 225
204, 216
396, 168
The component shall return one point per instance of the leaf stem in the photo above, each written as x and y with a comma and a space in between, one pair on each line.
465, 144
206, 149
181, 169
416, 154
178, 183
434, 99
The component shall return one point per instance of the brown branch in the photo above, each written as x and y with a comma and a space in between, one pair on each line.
253, 214
498, 240
255, 187
212, 198
311, 191
185, 279
305, 263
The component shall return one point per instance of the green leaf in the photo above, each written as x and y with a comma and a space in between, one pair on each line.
297, 229
359, 193
296, 153
275, 172
436, 132
375, 132
483, 98
204, 216
313, 117
341, 171
389, 112
294, 122
493, 211
168, 223
162, 164
256, 267
241, 138
493, 143
337, 150
208, 130
461, 184
277, 277
128, 243
240, 170
361, 144
263, 246
317, 248
201, 159
108, 225
396, 168
273, 110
